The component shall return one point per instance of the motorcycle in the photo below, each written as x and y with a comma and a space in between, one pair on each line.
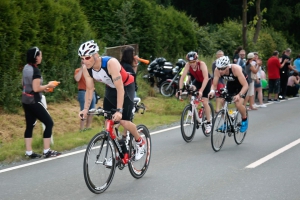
160, 70
169, 86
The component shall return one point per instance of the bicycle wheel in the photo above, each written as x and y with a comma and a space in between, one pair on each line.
218, 131
97, 174
204, 119
188, 123
166, 92
138, 168
238, 136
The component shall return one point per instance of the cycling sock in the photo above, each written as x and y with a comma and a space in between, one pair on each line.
207, 122
28, 153
244, 119
139, 140
46, 150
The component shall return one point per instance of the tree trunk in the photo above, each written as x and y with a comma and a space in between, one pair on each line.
244, 26
259, 19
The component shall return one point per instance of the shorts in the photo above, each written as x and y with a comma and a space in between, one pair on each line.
206, 90
234, 89
110, 100
80, 98
257, 84
250, 89
274, 86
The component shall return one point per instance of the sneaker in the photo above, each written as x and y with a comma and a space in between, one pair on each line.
51, 153
270, 100
140, 149
244, 126
33, 155
222, 128
262, 105
108, 163
208, 128
255, 105
276, 101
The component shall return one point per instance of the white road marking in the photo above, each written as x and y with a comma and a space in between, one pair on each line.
272, 155
67, 154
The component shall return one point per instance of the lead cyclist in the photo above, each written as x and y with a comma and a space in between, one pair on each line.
237, 86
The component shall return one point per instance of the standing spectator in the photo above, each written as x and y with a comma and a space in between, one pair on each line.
293, 85
242, 59
78, 76
297, 63
33, 87
257, 85
274, 67
221, 84
236, 54
130, 63
284, 72
251, 67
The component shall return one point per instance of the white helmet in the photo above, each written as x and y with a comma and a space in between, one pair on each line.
222, 62
88, 48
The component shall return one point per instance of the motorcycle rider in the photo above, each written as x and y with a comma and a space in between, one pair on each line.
202, 82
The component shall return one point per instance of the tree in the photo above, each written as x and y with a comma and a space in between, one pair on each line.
244, 23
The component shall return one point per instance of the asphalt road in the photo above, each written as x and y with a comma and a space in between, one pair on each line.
264, 166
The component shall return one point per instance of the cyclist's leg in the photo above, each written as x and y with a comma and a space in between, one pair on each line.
206, 100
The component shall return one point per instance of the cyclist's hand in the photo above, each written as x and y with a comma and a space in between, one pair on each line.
236, 98
117, 116
211, 94
83, 114
199, 94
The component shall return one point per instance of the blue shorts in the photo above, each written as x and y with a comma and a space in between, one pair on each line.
257, 84
80, 98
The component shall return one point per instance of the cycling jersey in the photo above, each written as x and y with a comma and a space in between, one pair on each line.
103, 76
198, 73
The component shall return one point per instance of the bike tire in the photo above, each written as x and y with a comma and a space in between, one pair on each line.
138, 168
217, 136
97, 176
211, 119
238, 136
166, 92
188, 124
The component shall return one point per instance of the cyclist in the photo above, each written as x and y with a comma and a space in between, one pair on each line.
201, 82
237, 86
119, 90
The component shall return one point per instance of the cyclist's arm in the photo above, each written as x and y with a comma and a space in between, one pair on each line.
183, 75
237, 71
215, 79
114, 68
203, 68
89, 81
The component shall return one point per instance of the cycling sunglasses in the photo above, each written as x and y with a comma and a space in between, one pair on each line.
222, 69
86, 58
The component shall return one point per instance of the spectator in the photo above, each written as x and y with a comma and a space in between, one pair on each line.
130, 63
284, 72
293, 85
33, 87
251, 67
221, 84
297, 63
242, 59
274, 67
257, 85
236, 54
78, 76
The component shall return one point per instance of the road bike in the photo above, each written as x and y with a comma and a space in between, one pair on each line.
106, 151
227, 122
192, 119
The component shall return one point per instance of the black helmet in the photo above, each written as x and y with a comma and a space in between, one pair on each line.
192, 55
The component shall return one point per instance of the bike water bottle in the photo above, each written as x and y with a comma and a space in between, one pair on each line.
200, 112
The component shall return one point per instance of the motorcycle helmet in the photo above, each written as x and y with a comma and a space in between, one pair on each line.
222, 62
88, 48
180, 63
191, 56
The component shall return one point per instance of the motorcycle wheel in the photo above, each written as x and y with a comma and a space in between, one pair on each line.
163, 89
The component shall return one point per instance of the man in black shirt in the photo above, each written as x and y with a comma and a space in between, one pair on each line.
284, 72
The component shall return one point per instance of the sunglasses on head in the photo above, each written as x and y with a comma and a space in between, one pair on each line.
36, 50
86, 58
222, 69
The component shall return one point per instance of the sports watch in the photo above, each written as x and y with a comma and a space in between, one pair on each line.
120, 110
242, 95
